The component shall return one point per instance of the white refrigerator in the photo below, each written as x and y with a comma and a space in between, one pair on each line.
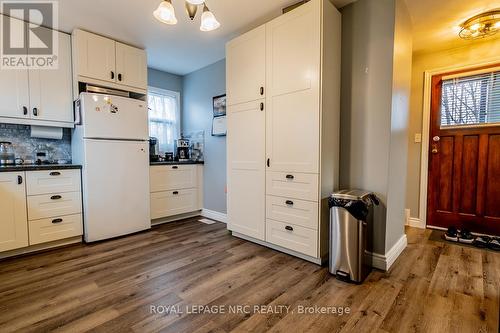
110, 141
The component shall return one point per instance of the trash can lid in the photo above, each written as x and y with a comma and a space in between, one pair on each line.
352, 194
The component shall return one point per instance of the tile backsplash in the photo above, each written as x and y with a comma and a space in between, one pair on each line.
25, 146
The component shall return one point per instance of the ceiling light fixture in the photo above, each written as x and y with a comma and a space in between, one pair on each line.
165, 13
480, 26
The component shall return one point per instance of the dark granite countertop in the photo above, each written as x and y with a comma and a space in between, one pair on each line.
36, 167
176, 163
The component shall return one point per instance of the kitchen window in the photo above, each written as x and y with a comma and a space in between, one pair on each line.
164, 117
471, 99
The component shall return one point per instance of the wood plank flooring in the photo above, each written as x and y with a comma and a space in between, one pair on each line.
112, 286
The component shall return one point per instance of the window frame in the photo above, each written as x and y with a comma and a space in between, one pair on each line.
169, 93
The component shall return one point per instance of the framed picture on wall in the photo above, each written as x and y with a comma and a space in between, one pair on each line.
219, 126
219, 103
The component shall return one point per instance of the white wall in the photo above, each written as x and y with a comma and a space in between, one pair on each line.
480, 51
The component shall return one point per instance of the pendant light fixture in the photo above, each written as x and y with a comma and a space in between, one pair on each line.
165, 13
208, 20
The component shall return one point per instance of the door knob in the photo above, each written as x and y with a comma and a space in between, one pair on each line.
434, 149
436, 138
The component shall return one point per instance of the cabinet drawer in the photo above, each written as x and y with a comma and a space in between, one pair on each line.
293, 185
169, 203
53, 181
172, 177
57, 204
292, 237
55, 228
288, 210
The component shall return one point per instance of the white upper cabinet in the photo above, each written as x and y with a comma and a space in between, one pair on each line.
246, 67
107, 61
130, 65
94, 56
51, 94
39, 96
293, 65
13, 217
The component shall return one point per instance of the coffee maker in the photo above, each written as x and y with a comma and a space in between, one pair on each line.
154, 154
182, 150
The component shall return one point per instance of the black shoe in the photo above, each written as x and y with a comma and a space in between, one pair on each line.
465, 237
452, 234
482, 241
494, 244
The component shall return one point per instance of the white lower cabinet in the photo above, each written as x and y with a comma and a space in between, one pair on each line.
39, 207
175, 190
292, 237
298, 212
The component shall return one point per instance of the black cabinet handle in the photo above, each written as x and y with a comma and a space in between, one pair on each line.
35, 112
289, 202
268, 162
112, 75
25, 110
55, 221
55, 197
119, 76
261, 91
175, 192
261, 106
289, 228
55, 173
290, 177
175, 167
19, 180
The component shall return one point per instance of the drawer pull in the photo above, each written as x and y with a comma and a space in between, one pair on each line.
289, 202
289, 228
175, 167
55, 173
290, 177
175, 192
19, 180
56, 221
55, 197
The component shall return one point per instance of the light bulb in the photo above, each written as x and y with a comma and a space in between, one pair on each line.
165, 13
195, 2
476, 26
497, 25
208, 20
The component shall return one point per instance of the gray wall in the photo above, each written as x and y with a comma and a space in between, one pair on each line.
167, 81
370, 131
199, 88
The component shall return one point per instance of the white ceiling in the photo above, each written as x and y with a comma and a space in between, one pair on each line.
435, 22
178, 49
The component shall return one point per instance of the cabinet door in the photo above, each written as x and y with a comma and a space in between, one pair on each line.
51, 92
246, 169
246, 67
94, 56
14, 86
13, 219
131, 66
293, 76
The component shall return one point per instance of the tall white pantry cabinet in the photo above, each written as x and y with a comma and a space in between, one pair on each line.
283, 95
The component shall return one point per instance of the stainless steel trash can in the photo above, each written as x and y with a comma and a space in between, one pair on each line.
351, 211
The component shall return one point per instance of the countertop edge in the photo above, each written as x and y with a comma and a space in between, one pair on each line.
17, 168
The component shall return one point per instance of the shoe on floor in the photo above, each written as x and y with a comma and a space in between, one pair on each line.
482, 241
494, 244
452, 234
465, 237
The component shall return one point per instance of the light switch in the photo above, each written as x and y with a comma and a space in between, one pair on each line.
418, 137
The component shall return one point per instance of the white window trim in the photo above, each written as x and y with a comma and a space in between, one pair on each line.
174, 94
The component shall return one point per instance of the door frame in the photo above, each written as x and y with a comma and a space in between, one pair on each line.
426, 119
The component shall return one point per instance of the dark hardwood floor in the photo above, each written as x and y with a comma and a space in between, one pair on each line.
116, 286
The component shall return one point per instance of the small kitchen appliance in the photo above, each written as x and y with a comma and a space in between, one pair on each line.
182, 149
7, 154
154, 154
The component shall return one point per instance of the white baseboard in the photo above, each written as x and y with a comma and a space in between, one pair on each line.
384, 262
416, 223
213, 215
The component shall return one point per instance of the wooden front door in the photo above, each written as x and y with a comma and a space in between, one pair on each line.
464, 151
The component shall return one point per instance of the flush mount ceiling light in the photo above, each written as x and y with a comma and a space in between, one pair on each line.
165, 13
480, 26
